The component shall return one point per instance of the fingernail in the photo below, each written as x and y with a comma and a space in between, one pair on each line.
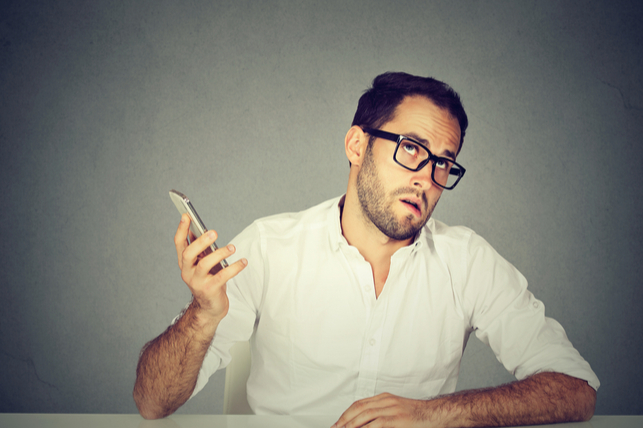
245, 262
231, 248
211, 234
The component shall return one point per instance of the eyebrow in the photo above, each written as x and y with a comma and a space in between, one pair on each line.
446, 153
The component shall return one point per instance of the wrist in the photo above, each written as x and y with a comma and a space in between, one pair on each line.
206, 321
201, 321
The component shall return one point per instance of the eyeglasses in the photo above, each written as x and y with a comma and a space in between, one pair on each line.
414, 156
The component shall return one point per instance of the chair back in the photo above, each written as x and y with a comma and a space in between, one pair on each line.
235, 398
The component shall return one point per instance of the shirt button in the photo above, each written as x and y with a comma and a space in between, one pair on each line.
535, 304
372, 342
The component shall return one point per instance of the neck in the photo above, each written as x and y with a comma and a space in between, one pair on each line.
361, 233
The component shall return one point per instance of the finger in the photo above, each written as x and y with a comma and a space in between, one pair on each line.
366, 418
372, 417
180, 237
349, 414
211, 263
360, 412
202, 243
223, 275
233, 270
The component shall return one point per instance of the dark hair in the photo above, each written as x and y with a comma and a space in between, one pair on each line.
377, 105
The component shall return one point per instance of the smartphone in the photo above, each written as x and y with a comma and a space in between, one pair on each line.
197, 227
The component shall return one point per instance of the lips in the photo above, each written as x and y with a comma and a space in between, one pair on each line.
413, 204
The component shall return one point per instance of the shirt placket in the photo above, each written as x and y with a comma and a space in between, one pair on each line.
371, 349
372, 341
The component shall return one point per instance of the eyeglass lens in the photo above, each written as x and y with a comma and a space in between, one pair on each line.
411, 155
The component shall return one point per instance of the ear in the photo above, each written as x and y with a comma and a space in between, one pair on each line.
355, 144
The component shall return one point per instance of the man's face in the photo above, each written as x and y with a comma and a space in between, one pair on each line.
397, 201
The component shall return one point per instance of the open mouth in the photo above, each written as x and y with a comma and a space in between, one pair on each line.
413, 205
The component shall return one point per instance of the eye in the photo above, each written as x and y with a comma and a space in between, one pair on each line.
441, 163
410, 148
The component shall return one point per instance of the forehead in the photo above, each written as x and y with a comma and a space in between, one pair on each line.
418, 117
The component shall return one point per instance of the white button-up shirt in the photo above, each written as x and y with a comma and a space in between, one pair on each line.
320, 340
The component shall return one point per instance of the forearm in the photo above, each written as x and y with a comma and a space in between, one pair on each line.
169, 365
540, 399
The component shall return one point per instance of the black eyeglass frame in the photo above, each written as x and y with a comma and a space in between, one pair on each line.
397, 138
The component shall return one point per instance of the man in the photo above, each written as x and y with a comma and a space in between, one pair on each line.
362, 305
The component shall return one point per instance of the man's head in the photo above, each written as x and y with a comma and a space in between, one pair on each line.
378, 104
384, 189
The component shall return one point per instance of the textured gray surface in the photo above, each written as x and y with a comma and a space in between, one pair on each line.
243, 106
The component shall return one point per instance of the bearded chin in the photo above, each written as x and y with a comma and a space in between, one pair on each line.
377, 205
400, 231
395, 230
380, 213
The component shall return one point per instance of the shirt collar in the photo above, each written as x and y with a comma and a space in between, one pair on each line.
334, 223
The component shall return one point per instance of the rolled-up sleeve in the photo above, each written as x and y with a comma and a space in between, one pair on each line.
506, 316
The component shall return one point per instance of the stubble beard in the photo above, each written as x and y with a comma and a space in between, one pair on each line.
377, 209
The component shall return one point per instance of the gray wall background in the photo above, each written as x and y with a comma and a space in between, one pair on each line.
243, 105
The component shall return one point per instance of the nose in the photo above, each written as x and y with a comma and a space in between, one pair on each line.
422, 178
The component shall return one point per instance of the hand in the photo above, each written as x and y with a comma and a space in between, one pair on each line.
202, 274
384, 410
